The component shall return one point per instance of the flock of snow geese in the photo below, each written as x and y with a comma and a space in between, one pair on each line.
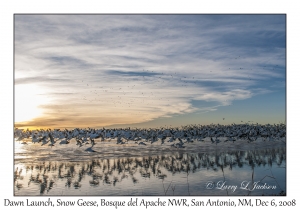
176, 137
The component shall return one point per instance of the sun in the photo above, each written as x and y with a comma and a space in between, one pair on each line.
28, 97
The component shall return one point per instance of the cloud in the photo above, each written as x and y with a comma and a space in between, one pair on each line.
39, 79
135, 68
132, 73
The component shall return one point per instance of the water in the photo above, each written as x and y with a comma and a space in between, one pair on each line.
201, 168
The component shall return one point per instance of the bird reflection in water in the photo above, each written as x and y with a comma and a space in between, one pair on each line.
193, 167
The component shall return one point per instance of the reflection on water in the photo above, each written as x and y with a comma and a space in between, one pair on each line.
176, 173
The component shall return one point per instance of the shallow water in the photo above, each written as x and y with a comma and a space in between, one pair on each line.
201, 168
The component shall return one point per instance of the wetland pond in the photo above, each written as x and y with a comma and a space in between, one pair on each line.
199, 169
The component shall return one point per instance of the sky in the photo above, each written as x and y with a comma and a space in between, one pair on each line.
148, 70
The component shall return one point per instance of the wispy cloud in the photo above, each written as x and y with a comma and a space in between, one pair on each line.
114, 69
39, 79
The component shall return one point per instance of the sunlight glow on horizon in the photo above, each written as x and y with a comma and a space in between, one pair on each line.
27, 101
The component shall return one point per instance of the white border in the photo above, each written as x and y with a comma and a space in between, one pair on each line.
8, 8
